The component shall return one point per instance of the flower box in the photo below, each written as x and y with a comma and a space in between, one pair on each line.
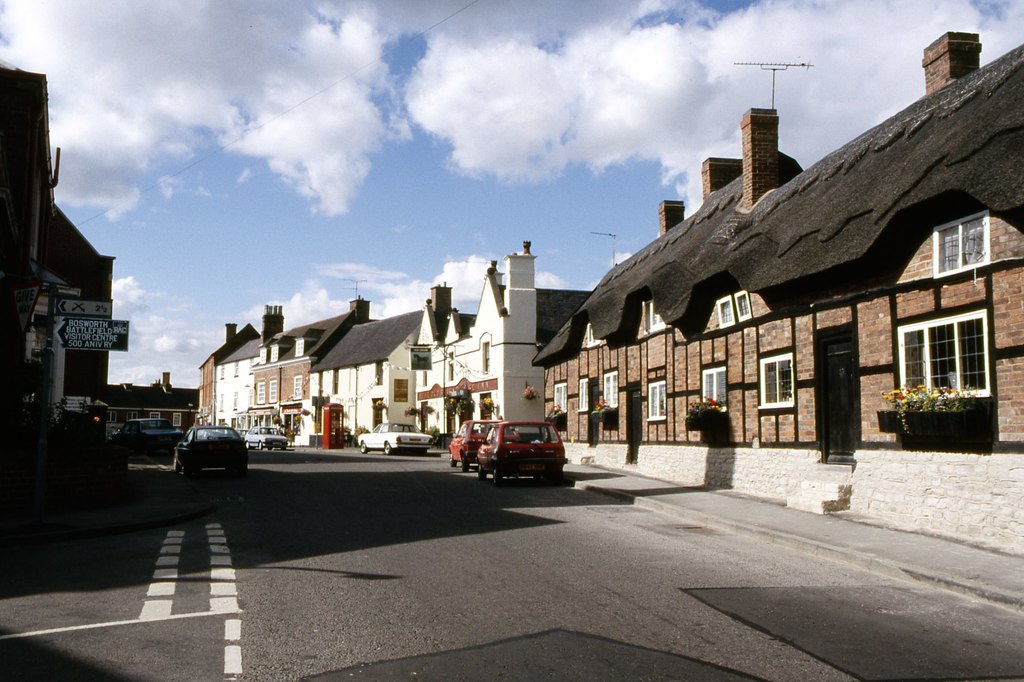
955, 425
889, 421
558, 421
608, 418
707, 420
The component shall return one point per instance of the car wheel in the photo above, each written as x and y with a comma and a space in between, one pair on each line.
362, 448
259, 446
387, 448
498, 478
481, 473
465, 463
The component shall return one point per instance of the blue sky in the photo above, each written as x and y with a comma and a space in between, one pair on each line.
231, 155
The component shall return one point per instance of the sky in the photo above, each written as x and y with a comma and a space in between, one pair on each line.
234, 154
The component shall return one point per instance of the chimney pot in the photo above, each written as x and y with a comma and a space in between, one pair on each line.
230, 329
951, 56
760, 132
670, 214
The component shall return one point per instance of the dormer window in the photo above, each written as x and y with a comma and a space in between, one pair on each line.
733, 308
263, 356
300, 347
588, 337
652, 320
961, 245
274, 353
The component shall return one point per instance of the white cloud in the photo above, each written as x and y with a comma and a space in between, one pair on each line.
129, 297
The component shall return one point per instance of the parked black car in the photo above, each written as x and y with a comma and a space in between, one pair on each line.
146, 435
211, 447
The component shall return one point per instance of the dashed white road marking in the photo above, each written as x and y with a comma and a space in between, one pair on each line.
232, 630
156, 609
161, 589
232, 660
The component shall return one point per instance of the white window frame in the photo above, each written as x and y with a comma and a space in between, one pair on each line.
154, 415
927, 328
263, 356
275, 353
236, 368
485, 357
176, 419
583, 404
740, 315
937, 259
777, 360
261, 393
657, 400
234, 401
300, 346
560, 395
610, 383
710, 378
652, 320
588, 337
272, 391
297, 386
222, 371
725, 303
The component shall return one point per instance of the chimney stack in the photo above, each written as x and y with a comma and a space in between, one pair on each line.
166, 381
230, 329
441, 298
716, 173
360, 307
273, 322
951, 56
760, 132
670, 214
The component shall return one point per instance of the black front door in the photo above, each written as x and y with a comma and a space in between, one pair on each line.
840, 409
634, 424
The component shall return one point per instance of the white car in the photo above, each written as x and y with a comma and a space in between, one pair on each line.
265, 438
390, 437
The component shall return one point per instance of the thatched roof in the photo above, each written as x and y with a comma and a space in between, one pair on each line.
962, 144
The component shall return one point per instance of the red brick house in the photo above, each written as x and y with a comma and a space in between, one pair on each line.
797, 297
159, 400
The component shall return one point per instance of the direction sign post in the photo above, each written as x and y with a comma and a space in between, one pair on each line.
85, 307
87, 333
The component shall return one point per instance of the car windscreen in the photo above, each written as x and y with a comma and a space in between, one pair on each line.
406, 428
154, 424
481, 429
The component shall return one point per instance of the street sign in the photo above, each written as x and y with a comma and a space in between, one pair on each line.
86, 333
25, 302
85, 307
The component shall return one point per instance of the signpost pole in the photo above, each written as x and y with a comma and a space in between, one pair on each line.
45, 395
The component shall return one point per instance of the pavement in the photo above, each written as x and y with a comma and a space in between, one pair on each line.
159, 499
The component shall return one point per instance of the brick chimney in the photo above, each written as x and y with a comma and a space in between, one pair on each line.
273, 322
716, 173
441, 298
166, 380
670, 214
360, 307
760, 132
230, 329
951, 56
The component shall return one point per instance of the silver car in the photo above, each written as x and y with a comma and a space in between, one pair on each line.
265, 438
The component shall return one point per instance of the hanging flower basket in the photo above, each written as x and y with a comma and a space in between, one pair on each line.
412, 411
529, 393
606, 415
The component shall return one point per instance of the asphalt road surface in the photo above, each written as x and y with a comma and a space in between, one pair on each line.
340, 566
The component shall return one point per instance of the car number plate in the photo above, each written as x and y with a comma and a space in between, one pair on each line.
532, 467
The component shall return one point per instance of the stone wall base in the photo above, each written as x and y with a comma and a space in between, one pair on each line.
968, 497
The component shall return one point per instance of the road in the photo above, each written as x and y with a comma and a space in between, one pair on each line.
347, 566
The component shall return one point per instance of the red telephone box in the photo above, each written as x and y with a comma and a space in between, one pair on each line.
334, 426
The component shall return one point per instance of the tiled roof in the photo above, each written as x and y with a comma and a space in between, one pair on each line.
154, 397
369, 342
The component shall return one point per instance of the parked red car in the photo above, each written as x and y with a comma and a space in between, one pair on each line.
514, 449
467, 440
